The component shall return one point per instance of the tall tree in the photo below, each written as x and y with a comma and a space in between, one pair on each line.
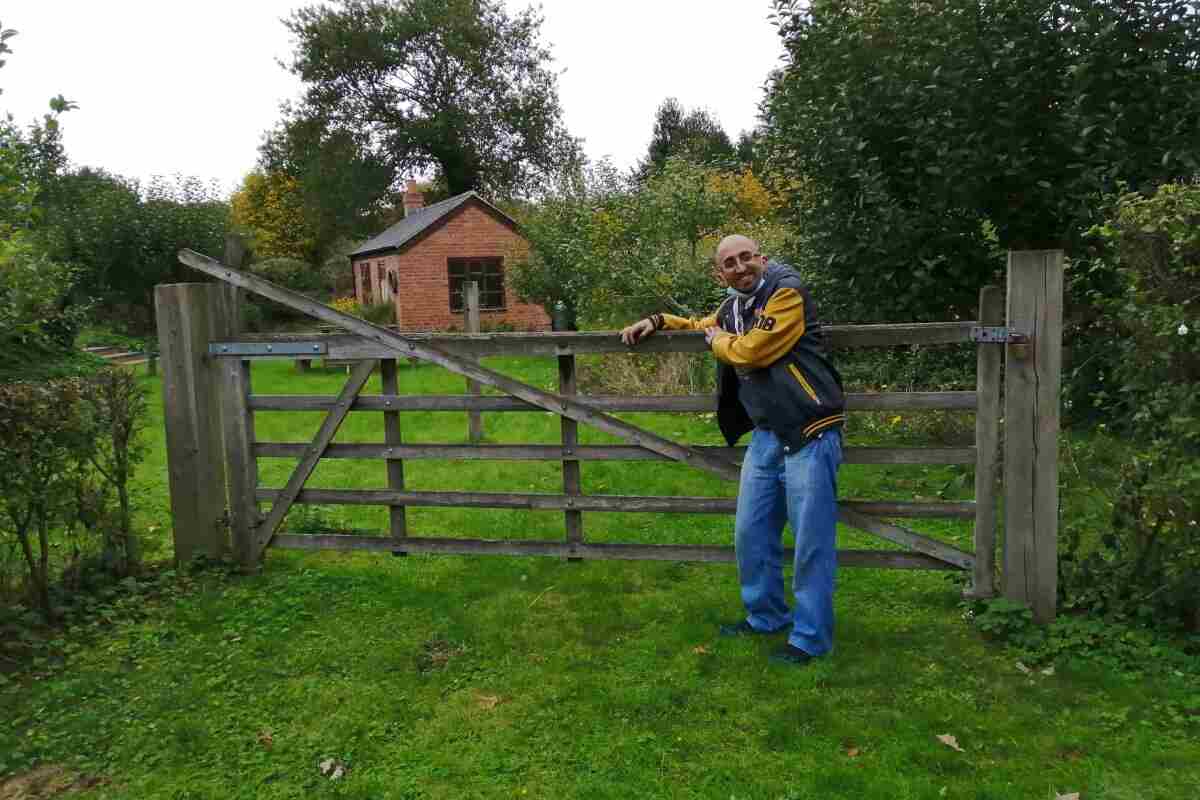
270, 207
457, 86
694, 135
929, 132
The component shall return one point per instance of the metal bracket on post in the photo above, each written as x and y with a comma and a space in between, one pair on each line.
997, 334
987, 334
281, 349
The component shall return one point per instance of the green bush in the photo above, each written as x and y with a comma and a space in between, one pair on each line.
380, 313
66, 446
290, 272
1147, 367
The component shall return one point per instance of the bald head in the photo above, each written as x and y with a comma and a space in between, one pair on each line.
739, 263
732, 245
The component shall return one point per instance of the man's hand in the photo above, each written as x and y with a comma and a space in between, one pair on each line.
637, 331
710, 334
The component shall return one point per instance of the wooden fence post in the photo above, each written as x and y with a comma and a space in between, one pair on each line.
474, 416
987, 445
187, 315
1033, 375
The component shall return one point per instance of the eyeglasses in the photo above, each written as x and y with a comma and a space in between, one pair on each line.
744, 257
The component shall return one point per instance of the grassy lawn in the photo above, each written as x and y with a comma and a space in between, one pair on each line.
454, 677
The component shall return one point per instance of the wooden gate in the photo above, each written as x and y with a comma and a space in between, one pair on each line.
210, 345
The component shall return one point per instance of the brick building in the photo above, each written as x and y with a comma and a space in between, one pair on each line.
421, 263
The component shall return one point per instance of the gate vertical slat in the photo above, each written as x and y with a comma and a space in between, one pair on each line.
570, 440
398, 523
987, 445
471, 306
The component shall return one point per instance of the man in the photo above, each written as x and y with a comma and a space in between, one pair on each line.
775, 378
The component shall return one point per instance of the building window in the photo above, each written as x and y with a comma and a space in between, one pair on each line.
487, 272
393, 283
364, 275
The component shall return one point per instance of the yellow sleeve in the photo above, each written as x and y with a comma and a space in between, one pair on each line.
670, 322
776, 329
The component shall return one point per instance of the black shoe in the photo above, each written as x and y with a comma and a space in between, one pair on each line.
743, 628
790, 654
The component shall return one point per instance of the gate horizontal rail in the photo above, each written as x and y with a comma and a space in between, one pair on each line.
591, 452
867, 401
602, 551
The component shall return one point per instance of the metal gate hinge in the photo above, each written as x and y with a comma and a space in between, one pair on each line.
997, 335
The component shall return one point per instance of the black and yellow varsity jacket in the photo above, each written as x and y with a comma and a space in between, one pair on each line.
774, 371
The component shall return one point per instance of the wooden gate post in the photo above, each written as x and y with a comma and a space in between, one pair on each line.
187, 316
1033, 375
471, 318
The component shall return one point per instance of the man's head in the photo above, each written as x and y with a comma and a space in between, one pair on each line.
739, 263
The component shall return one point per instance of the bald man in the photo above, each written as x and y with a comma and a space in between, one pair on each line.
775, 379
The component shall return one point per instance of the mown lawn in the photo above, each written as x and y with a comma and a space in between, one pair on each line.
454, 677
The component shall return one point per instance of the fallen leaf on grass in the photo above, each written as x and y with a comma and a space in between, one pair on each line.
332, 768
853, 752
1024, 669
700, 650
1048, 671
487, 701
949, 741
266, 739
1071, 796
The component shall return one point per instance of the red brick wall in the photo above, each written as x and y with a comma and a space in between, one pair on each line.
424, 298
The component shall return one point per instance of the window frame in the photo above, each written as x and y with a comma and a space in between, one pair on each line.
489, 276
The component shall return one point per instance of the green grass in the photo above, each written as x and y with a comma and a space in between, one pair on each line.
455, 677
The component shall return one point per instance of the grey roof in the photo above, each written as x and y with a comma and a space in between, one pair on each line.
418, 221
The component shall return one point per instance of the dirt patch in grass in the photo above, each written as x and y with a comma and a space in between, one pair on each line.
436, 654
48, 780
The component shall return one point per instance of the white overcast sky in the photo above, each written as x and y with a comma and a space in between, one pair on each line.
170, 87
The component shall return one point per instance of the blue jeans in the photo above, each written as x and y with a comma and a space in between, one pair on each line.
798, 487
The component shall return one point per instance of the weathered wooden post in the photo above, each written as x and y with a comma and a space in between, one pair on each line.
474, 416
1033, 376
188, 315
987, 445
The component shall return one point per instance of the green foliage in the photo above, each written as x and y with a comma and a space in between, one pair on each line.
37, 317
904, 132
65, 444
290, 272
1145, 372
693, 135
611, 248
380, 313
462, 87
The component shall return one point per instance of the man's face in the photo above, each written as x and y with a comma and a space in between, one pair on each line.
739, 263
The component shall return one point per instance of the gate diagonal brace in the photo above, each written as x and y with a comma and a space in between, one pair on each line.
567, 407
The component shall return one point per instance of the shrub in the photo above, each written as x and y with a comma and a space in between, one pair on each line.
65, 446
380, 313
1146, 565
290, 272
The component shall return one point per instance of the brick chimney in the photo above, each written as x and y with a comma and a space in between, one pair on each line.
413, 199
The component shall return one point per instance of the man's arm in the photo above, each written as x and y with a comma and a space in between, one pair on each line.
656, 322
777, 328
